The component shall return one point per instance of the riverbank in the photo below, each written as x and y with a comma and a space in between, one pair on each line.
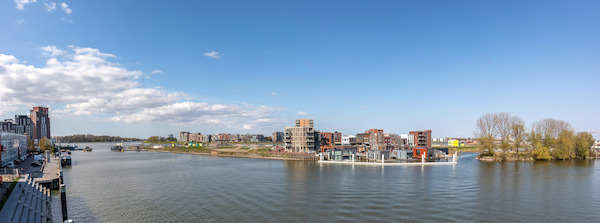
241, 152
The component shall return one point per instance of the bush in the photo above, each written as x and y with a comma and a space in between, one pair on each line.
542, 153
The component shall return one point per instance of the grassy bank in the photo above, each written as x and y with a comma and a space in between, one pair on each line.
232, 151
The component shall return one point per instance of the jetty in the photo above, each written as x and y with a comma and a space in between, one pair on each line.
383, 163
50, 173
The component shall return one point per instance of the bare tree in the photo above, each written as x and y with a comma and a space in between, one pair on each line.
503, 121
487, 130
550, 129
517, 133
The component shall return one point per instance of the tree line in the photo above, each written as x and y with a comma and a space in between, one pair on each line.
547, 139
92, 138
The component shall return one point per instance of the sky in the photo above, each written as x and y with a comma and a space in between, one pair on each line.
144, 68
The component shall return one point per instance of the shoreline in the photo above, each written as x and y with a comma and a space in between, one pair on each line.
247, 155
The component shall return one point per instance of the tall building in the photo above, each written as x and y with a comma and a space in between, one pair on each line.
302, 138
40, 123
277, 137
422, 138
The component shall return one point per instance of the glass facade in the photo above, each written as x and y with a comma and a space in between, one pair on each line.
13, 146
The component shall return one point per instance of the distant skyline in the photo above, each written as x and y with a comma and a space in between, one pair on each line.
144, 68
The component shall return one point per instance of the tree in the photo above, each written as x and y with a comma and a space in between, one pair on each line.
503, 121
541, 153
30, 144
486, 132
517, 132
535, 139
565, 148
45, 144
550, 129
583, 144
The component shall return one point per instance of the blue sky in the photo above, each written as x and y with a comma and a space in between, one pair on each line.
142, 68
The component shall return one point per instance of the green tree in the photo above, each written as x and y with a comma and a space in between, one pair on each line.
541, 153
30, 144
565, 146
583, 144
45, 144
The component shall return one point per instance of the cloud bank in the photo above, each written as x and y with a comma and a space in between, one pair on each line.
82, 81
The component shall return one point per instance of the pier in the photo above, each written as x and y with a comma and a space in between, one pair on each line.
50, 174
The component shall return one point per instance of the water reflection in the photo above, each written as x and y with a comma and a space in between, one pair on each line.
107, 186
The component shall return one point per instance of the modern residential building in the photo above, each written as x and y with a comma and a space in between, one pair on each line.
196, 137
330, 140
277, 137
348, 140
8, 125
23, 125
408, 140
422, 138
206, 138
302, 138
378, 154
183, 137
12, 147
40, 122
257, 138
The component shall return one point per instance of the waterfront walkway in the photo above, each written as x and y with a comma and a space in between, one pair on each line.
28, 202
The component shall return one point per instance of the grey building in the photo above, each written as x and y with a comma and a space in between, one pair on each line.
341, 154
378, 154
277, 137
402, 154
23, 125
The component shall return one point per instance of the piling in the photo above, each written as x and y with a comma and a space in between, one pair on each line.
63, 202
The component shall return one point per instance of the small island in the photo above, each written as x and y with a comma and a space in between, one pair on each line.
504, 137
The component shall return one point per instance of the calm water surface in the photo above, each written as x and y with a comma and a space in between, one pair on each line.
106, 186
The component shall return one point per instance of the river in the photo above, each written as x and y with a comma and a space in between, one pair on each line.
106, 186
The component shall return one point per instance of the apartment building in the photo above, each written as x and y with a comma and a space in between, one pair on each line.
422, 138
41, 123
301, 138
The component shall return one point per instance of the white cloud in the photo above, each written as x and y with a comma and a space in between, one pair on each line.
302, 113
21, 3
50, 6
66, 20
362, 106
82, 81
213, 54
65, 8
156, 72
52, 51
273, 93
21, 21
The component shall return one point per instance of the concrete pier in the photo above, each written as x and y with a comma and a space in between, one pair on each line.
50, 177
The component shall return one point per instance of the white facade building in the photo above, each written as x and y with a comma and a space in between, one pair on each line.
348, 139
